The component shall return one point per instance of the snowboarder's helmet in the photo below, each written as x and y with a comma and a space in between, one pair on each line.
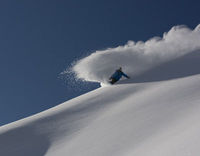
120, 68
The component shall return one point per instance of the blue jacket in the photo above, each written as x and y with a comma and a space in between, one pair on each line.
118, 74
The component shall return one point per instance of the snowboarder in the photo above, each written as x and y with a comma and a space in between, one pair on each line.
117, 75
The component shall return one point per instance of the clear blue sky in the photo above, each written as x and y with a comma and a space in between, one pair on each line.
40, 38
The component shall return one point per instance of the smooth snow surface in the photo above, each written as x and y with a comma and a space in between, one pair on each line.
159, 117
155, 113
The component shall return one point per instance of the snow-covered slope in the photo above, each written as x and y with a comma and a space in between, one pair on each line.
154, 114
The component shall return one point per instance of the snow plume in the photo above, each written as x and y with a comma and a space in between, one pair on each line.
137, 57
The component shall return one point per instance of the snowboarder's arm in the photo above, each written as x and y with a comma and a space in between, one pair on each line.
125, 75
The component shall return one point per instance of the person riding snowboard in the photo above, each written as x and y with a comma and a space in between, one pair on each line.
117, 76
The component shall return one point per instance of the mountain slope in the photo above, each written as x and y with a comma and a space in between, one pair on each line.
147, 118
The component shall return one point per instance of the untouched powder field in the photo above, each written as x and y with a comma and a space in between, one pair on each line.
155, 114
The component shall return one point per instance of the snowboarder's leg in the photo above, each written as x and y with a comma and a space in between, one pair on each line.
113, 81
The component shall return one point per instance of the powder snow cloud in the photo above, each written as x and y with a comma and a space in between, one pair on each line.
137, 57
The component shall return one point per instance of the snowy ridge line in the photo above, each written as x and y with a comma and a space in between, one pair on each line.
140, 117
46, 113
120, 120
138, 57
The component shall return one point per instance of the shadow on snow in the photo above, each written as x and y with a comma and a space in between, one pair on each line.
184, 66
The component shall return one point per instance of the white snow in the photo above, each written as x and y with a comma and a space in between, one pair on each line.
154, 114
137, 57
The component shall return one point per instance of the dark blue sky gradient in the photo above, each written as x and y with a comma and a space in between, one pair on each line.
40, 38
